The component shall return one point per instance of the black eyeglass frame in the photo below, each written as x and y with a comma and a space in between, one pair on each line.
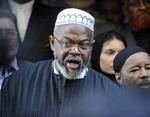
11, 33
69, 46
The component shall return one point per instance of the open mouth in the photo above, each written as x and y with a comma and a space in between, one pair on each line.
144, 85
73, 64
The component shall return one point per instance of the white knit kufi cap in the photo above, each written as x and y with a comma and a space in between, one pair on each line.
75, 16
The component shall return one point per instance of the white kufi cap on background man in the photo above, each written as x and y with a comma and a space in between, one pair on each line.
75, 16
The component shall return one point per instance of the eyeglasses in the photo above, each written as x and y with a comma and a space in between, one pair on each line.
11, 33
67, 45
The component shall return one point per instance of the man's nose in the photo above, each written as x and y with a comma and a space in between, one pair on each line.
75, 50
142, 5
144, 73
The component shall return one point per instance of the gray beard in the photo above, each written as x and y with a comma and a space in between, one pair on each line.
66, 72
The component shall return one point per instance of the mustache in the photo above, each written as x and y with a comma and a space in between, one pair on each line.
145, 12
73, 59
144, 82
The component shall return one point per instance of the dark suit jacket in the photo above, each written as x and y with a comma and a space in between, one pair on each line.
141, 38
126, 31
36, 43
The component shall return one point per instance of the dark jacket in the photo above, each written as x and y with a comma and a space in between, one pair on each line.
140, 38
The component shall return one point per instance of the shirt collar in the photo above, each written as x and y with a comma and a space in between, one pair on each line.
14, 5
13, 64
81, 76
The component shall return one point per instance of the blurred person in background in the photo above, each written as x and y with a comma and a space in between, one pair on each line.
8, 44
35, 22
105, 48
137, 30
110, 10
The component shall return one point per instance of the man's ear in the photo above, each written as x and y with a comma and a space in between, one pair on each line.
119, 78
51, 42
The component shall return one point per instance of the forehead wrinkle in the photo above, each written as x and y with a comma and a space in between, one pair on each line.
132, 65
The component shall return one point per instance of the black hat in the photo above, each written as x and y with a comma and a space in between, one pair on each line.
124, 54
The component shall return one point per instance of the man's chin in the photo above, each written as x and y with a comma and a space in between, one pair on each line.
73, 73
5, 62
139, 26
69, 73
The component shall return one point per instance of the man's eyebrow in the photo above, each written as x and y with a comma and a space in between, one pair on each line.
138, 66
147, 64
70, 38
133, 67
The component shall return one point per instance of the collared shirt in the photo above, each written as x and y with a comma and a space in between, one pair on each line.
14, 65
23, 13
82, 75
